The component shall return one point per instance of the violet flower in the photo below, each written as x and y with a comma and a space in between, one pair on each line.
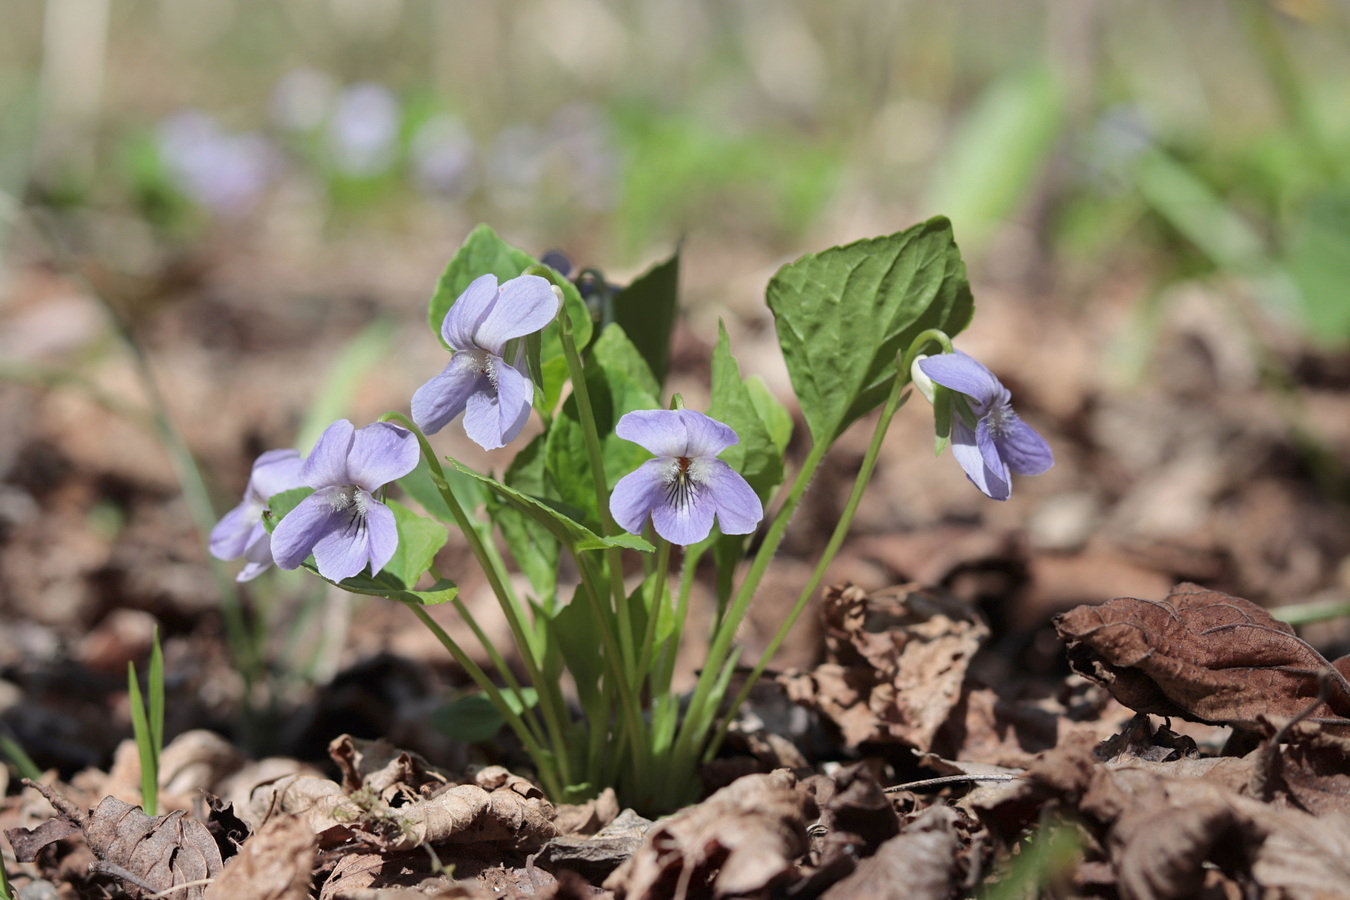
492, 393
240, 532
343, 523
988, 439
685, 486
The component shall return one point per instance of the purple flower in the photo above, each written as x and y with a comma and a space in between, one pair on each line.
342, 523
493, 395
240, 532
686, 485
988, 439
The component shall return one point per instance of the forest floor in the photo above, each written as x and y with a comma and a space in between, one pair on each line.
1182, 743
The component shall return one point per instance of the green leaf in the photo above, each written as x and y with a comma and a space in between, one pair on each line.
484, 252
758, 420
645, 310
419, 485
559, 523
843, 315
757, 456
474, 718
618, 381
280, 504
419, 540
532, 545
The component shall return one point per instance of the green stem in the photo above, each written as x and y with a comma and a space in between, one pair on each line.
896, 400
550, 700
547, 774
632, 710
685, 750
654, 609
669, 654
613, 556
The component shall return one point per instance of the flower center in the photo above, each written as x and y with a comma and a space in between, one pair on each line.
681, 484
485, 364
998, 418
351, 502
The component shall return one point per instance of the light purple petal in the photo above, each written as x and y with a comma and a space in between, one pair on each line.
738, 508
515, 398
276, 471
660, 431
230, 537
468, 312
380, 453
1025, 451
984, 439
524, 305
637, 493
383, 534
688, 518
962, 373
296, 534
707, 436
344, 551
436, 403
258, 554
252, 571
967, 453
327, 462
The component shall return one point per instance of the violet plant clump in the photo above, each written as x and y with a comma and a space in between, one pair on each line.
619, 468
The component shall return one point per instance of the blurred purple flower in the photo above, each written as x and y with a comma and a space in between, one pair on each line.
685, 486
493, 395
443, 157
240, 532
988, 439
342, 523
221, 171
363, 133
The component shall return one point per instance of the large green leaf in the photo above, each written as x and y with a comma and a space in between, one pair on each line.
484, 252
646, 312
618, 381
844, 314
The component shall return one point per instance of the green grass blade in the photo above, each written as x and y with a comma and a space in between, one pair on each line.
140, 727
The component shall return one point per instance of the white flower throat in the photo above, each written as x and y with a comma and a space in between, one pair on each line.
485, 364
352, 501
683, 481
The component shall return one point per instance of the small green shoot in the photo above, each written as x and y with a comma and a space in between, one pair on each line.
147, 723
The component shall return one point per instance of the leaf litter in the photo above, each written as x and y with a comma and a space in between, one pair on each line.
1155, 812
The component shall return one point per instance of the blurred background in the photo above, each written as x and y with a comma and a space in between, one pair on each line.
220, 221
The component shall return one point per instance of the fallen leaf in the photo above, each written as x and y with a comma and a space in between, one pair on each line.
596, 856
896, 664
147, 854
739, 841
275, 865
1201, 655
921, 863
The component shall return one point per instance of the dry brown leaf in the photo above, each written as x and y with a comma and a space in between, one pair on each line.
597, 855
897, 663
1200, 655
275, 865
921, 863
515, 813
147, 854
739, 841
